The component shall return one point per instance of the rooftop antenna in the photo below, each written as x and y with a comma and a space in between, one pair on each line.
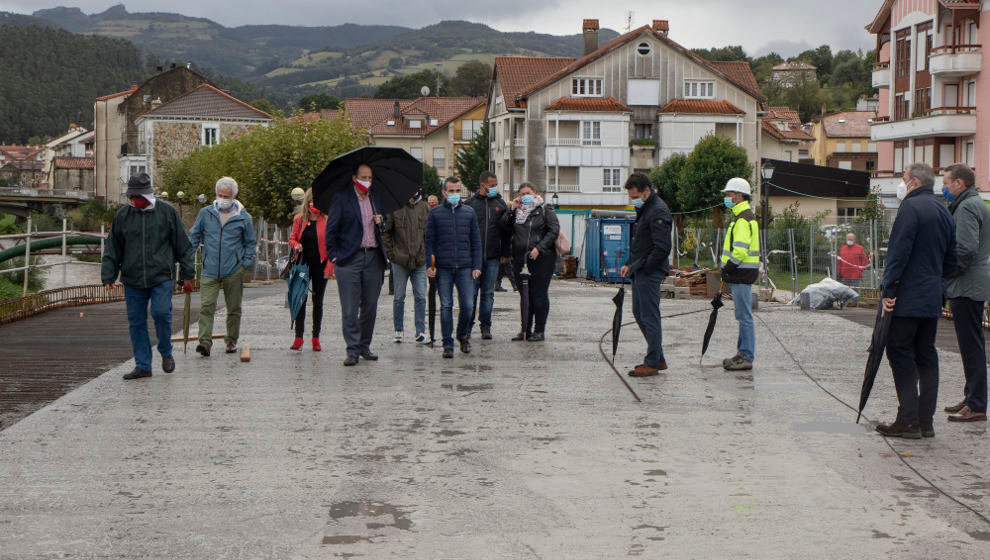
629, 20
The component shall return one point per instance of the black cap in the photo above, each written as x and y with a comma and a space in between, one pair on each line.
139, 184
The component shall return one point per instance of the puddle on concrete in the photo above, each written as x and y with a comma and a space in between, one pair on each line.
980, 535
656, 472
829, 428
880, 535
476, 367
468, 388
355, 518
448, 433
345, 539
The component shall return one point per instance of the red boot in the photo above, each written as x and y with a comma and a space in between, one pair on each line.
316, 344
296, 344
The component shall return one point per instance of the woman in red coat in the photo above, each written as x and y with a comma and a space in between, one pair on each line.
308, 243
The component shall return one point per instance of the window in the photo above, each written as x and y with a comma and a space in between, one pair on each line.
612, 180
591, 133
643, 92
434, 122
922, 101
840, 146
642, 131
871, 147
900, 107
847, 215
211, 134
845, 165
969, 153
696, 89
417, 153
416, 124
470, 128
643, 48
903, 54
871, 166
135, 169
439, 158
857, 146
586, 87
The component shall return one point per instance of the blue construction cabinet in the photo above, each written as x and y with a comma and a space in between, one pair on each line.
607, 247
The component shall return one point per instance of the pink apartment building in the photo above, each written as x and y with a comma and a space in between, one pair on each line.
934, 93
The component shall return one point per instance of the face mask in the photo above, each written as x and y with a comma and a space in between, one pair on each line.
363, 185
492, 192
224, 203
140, 202
637, 203
728, 202
454, 198
314, 209
850, 243
901, 190
948, 195
527, 200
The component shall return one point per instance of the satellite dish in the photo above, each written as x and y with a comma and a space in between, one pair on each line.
425, 91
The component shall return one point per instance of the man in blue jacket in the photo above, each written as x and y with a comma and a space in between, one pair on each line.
921, 252
354, 245
227, 234
453, 250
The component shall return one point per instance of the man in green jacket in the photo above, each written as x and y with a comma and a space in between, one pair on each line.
969, 287
404, 245
146, 239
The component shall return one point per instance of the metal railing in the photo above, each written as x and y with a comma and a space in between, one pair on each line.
20, 308
45, 193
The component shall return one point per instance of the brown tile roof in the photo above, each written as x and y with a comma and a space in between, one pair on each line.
366, 112
608, 105
518, 74
793, 134
442, 109
793, 65
74, 163
208, 101
783, 112
702, 107
739, 73
132, 89
855, 124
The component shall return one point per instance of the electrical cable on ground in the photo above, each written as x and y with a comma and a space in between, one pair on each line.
885, 439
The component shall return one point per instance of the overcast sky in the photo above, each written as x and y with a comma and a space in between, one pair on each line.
787, 26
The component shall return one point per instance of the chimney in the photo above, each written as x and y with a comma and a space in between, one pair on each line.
590, 28
661, 26
159, 69
396, 111
156, 103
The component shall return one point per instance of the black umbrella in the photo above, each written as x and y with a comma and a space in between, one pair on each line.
618, 300
716, 305
397, 175
523, 284
878, 343
432, 301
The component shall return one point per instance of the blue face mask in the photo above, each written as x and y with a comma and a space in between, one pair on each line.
728, 202
638, 203
492, 192
527, 200
454, 198
948, 196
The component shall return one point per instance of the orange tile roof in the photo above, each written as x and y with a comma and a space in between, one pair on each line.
75, 163
609, 105
783, 112
208, 101
518, 74
373, 114
366, 112
132, 89
855, 124
702, 107
739, 73
794, 134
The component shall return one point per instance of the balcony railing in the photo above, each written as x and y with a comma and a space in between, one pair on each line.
521, 142
937, 121
881, 75
953, 49
564, 188
563, 142
935, 111
953, 61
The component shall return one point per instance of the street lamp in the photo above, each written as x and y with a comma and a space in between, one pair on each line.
767, 170
201, 199
555, 202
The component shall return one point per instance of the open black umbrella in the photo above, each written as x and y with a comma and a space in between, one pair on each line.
716, 305
397, 175
878, 343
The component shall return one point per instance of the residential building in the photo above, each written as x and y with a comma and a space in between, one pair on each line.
115, 116
929, 72
843, 140
793, 73
73, 154
21, 166
432, 129
206, 116
783, 136
48, 151
579, 127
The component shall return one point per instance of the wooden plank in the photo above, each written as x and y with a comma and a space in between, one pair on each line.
245, 352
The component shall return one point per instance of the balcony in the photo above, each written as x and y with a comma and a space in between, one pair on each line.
519, 142
881, 75
955, 61
563, 141
939, 121
564, 188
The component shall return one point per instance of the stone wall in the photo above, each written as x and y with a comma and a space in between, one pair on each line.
234, 131
173, 141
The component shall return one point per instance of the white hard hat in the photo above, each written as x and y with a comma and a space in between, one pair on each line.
297, 194
738, 185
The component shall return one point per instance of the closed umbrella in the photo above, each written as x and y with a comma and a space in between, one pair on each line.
716, 305
397, 175
432, 301
527, 322
878, 343
185, 322
619, 299
298, 283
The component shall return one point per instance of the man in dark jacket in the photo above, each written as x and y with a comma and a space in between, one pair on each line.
146, 239
969, 288
453, 248
489, 207
648, 264
405, 247
920, 253
354, 245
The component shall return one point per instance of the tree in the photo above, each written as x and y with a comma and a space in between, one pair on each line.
731, 53
267, 163
317, 102
408, 87
472, 160
431, 182
713, 162
264, 104
667, 180
820, 58
471, 79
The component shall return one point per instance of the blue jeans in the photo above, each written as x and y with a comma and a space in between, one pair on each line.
742, 300
486, 285
646, 309
137, 300
401, 276
447, 278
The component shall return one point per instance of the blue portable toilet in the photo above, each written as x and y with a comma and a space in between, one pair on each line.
607, 245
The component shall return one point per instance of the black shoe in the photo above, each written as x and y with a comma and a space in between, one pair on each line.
928, 431
465, 345
536, 337
137, 374
351, 361
203, 349
486, 333
448, 353
368, 355
520, 337
168, 364
896, 429
500, 289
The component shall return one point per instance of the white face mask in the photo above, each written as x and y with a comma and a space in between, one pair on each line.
901, 190
225, 203
850, 243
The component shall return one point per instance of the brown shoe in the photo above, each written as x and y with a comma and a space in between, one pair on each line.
643, 370
896, 429
956, 408
231, 347
967, 415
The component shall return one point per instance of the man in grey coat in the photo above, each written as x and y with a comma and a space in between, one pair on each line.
969, 287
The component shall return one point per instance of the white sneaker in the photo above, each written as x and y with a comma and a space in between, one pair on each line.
421, 338
398, 337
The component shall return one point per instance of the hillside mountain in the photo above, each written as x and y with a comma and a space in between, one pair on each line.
20, 20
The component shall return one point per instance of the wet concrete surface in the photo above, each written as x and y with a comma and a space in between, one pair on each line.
520, 450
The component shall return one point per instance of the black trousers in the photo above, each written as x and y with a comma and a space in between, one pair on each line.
541, 272
319, 286
967, 316
914, 361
